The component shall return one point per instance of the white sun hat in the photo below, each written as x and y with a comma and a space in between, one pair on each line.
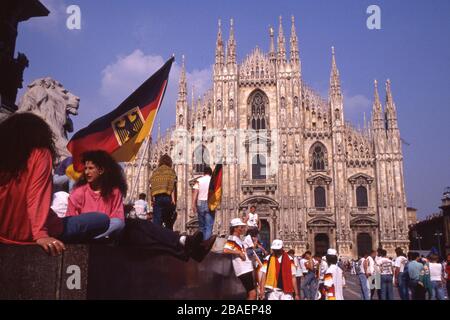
276, 244
236, 222
332, 252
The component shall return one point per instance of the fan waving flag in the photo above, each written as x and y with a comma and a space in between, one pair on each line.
122, 131
215, 188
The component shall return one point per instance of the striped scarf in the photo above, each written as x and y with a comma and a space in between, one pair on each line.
277, 279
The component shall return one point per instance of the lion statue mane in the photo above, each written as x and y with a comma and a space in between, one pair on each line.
48, 99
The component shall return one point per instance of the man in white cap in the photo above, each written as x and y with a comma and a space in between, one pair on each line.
334, 278
278, 275
243, 266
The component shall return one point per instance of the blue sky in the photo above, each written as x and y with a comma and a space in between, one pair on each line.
121, 43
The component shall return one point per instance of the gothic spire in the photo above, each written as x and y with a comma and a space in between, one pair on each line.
294, 44
272, 54
335, 82
231, 47
377, 110
391, 112
281, 43
219, 47
182, 85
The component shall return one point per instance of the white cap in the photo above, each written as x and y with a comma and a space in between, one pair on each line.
236, 222
276, 244
59, 203
332, 252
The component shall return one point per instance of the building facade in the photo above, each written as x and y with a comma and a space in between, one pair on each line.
317, 181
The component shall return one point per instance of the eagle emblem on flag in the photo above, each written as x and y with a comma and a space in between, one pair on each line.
128, 125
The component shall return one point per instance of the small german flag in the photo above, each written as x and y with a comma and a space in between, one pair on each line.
122, 131
215, 188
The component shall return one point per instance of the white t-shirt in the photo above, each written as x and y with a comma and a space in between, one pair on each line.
240, 266
202, 185
361, 266
252, 220
323, 268
141, 208
248, 242
298, 270
385, 265
400, 262
370, 265
435, 271
303, 266
59, 203
337, 280
377, 264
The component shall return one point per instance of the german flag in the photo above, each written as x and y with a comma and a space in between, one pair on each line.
215, 188
122, 131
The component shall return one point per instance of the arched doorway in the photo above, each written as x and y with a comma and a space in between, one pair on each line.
321, 244
364, 243
264, 234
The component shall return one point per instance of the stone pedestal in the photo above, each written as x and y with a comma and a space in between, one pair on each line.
106, 272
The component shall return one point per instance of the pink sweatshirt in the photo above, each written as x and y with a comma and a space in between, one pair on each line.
25, 203
83, 200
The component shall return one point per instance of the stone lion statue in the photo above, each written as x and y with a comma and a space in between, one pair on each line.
48, 99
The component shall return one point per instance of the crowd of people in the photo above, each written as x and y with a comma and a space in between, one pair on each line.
50, 207
416, 277
279, 274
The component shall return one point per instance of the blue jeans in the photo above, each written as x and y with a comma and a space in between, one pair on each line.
163, 203
387, 290
116, 225
403, 287
365, 292
205, 219
438, 290
84, 227
309, 285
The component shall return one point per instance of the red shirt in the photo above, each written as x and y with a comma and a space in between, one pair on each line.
25, 214
83, 200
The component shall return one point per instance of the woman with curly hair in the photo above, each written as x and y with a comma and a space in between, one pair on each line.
26, 189
100, 190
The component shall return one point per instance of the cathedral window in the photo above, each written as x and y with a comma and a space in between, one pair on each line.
259, 167
201, 159
318, 157
258, 102
319, 197
361, 197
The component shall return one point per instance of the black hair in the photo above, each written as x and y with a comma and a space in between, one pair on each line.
399, 251
112, 177
413, 255
207, 170
253, 232
20, 134
331, 259
142, 196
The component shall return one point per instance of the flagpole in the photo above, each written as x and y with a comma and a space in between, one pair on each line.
133, 185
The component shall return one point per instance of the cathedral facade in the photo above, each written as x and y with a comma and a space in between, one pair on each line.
317, 182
